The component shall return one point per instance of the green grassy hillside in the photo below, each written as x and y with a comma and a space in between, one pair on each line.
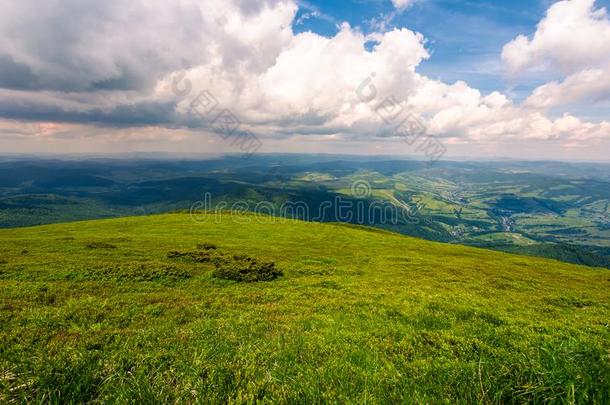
133, 309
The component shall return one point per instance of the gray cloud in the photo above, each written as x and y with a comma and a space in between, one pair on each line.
15, 75
141, 114
116, 52
84, 45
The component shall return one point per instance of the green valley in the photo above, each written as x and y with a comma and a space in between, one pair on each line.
549, 209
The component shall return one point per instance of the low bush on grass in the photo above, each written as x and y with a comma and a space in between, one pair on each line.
229, 266
245, 269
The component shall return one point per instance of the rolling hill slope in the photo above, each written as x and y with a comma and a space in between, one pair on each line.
137, 309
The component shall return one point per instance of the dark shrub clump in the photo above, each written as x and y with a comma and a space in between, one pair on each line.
228, 266
245, 269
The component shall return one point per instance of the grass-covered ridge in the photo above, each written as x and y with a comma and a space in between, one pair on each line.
102, 311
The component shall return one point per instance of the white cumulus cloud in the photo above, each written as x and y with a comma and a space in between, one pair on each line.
572, 41
573, 35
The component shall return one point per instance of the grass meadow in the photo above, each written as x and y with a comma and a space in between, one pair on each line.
101, 312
